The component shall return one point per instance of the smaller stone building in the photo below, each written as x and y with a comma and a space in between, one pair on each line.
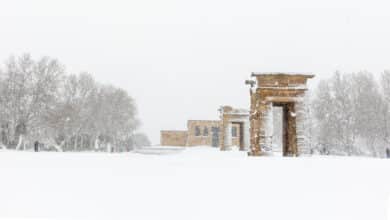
173, 138
209, 132
203, 132
233, 121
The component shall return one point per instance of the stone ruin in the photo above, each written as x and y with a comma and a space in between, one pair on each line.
234, 117
285, 90
231, 130
253, 130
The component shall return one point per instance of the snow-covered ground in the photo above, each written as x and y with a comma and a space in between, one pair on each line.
197, 183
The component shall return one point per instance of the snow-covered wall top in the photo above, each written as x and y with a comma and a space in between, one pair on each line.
308, 75
233, 111
281, 80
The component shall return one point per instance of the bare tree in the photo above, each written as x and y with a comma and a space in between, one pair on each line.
351, 115
29, 88
66, 112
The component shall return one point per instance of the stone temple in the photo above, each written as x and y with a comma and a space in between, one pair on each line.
231, 130
285, 90
253, 130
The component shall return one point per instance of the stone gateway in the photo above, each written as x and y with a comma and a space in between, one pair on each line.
285, 90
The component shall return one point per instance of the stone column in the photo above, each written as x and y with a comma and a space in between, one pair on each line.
302, 145
292, 149
266, 126
269, 125
246, 134
254, 117
227, 141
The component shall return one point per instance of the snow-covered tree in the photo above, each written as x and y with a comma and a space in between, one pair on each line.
29, 89
115, 113
351, 115
368, 105
141, 140
385, 110
39, 102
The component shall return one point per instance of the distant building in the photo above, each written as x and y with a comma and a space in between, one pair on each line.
211, 132
173, 138
203, 132
234, 121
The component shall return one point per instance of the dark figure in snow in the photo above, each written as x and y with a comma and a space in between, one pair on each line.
36, 146
388, 152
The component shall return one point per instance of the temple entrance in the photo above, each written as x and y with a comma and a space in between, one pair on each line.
234, 128
278, 90
286, 128
238, 134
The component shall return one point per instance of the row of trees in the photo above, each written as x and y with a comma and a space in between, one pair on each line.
39, 102
350, 114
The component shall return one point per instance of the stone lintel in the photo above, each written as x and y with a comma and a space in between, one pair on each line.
283, 74
299, 87
283, 99
281, 80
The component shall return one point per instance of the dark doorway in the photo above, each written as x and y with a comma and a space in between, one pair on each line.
215, 136
289, 144
241, 134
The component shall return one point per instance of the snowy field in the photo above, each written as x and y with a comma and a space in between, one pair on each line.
197, 183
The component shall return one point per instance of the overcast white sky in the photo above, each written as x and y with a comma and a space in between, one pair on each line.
183, 59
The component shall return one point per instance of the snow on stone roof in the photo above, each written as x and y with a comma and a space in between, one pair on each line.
310, 75
240, 111
229, 110
173, 131
201, 120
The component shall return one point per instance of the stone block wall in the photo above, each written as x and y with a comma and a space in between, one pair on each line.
173, 138
200, 132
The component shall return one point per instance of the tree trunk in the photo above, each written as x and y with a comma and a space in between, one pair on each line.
20, 142
82, 143
109, 147
75, 143
96, 144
